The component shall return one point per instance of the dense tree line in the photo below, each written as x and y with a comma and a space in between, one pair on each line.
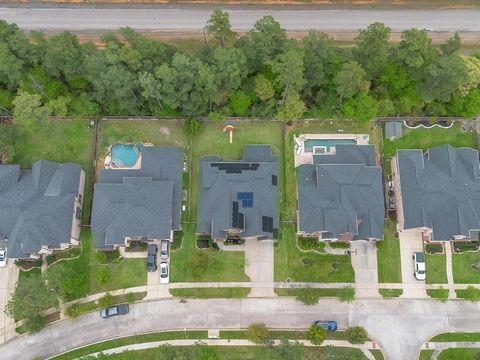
261, 74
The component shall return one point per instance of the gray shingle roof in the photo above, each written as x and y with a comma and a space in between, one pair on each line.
342, 193
36, 206
220, 188
440, 190
140, 202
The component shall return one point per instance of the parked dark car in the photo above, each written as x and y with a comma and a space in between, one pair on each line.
120, 309
152, 257
327, 325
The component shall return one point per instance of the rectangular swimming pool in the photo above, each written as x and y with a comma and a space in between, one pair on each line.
326, 143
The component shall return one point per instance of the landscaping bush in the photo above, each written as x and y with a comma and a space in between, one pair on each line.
136, 246
28, 264
434, 249
234, 241
357, 335
308, 296
340, 245
316, 334
462, 246
259, 334
348, 295
310, 243
177, 240
64, 254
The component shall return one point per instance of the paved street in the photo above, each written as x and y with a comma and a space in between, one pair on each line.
190, 18
393, 324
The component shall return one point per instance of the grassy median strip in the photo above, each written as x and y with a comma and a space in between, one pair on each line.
135, 339
456, 336
390, 293
211, 293
425, 354
343, 294
278, 334
440, 294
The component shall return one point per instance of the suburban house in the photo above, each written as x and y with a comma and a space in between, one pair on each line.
139, 204
438, 192
239, 198
340, 196
40, 208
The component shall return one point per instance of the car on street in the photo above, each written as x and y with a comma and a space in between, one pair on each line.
120, 309
419, 265
327, 325
164, 249
164, 276
152, 257
3, 257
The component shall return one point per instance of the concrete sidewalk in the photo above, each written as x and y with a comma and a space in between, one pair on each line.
438, 347
233, 342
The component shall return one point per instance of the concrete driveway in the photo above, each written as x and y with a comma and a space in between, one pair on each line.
364, 262
399, 326
156, 290
411, 242
259, 258
8, 279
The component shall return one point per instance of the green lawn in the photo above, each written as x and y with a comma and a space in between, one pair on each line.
239, 353
282, 334
118, 275
425, 354
463, 273
338, 293
377, 354
388, 256
292, 263
425, 138
390, 293
220, 266
456, 336
441, 294
460, 354
211, 293
436, 269
212, 141
61, 141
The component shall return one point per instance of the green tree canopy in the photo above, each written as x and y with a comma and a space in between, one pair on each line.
288, 70
63, 56
350, 81
258, 334
415, 51
7, 150
316, 334
219, 27
28, 111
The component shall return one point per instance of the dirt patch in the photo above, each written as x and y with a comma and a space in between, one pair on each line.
165, 131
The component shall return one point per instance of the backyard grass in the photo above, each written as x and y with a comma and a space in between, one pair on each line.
463, 273
218, 266
135, 339
241, 353
459, 354
211, 140
456, 336
211, 293
388, 256
61, 141
425, 138
436, 269
296, 265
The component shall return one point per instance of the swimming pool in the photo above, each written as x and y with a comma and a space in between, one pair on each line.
125, 155
326, 143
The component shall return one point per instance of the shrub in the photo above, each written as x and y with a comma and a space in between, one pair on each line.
258, 334
316, 334
106, 301
193, 126
434, 249
462, 246
308, 296
347, 295
310, 243
357, 335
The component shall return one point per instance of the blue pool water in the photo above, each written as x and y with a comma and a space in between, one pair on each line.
125, 155
328, 143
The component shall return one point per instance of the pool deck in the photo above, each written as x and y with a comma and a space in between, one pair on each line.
108, 159
304, 157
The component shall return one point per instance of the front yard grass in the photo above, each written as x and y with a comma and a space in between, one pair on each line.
463, 273
456, 337
63, 141
460, 354
211, 293
436, 269
300, 266
388, 256
187, 266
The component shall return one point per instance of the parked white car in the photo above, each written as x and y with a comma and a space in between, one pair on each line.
3, 257
419, 265
164, 275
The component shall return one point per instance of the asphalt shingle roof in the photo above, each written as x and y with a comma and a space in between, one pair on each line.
37, 205
440, 190
139, 202
342, 193
220, 188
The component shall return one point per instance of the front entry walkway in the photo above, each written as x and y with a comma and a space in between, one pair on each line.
364, 262
259, 266
411, 242
451, 285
